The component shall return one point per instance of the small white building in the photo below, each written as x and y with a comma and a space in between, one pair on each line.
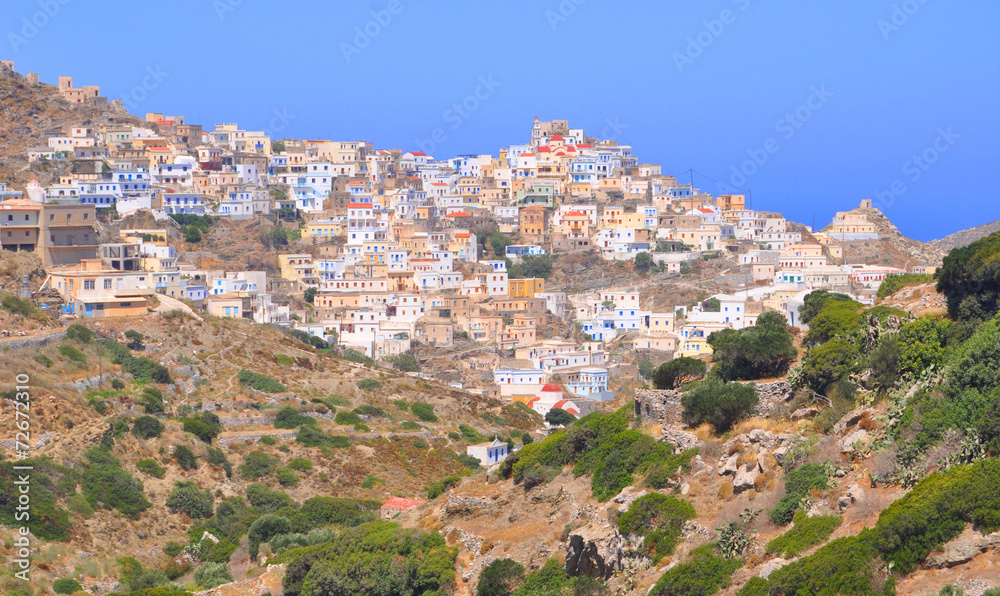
488, 453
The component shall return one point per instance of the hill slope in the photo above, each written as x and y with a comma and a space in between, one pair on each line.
966, 237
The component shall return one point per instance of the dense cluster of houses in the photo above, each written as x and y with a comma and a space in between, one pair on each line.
389, 253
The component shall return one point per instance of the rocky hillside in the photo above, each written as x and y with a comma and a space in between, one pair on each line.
30, 114
966, 237
892, 247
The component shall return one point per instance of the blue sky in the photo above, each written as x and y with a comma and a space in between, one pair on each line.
820, 104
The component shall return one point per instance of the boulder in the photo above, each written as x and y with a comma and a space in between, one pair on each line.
745, 478
963, 549
771, 566
803, 413
854, 439
851, 419
730, 466
601, 551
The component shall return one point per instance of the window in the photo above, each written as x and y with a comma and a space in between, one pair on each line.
88, 284
107, 284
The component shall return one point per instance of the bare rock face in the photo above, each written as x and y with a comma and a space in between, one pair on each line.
601, 551
851, 420
771, 566
803, 413
854, 440
963, 549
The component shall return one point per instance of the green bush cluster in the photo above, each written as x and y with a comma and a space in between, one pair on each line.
310, 436
675, 373
403, 562
186, 458
187, 498
551, 579
763, 350
798, 483
893, 283
441, 486
358, 357
260, 382
217, 457
718, 403
257, 464
49, 482
288, 417
72, 354
424, 412
369, 384
107, 486
210, 575
140, 367
659, 519
150, 466
147, 427
347, 418
66, 586
205, 425
79, 333
805, 534
704, 574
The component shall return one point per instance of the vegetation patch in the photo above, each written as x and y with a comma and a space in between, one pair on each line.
805, 534
659, 519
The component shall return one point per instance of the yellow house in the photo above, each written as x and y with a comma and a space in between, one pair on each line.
693, 341
731, 202
525, 288
91, 291
324, 229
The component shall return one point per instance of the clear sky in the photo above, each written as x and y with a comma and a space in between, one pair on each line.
835, 100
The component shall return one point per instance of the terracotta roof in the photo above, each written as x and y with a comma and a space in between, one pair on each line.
459, 214
401, 503
552, 387
574, 214
533, 208
418, 153
361, 206
556, 138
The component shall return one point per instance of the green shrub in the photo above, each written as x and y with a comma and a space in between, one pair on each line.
409, 425
267, 500
260, 382
79, 333
559, 417
805, 534
117, 384
210, 575
937, 510
268, 440
300, 463
49, 482
815, 301
219, 552
704, 574
147, 427
107, 486
356, 356
405, 561
405, 362
150, 466
217, 457
500, 578
66, 586
835, 318
441, 486
676, 372
257, 464
825, 364
370, 481
309, 436
187, 498
287, 477
152, 401
288, 418
369, 384
659, 519
73, 354
798, 483
718, 403
424, 412
844, 566
19, 306
206, 426
263, 529
43, 360
144, 369
347, 418
760, 351
369, 410
185, 457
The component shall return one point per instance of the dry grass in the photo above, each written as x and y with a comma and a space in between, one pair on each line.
704, 432
769, 424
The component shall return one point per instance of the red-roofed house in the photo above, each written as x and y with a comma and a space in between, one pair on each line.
396, 505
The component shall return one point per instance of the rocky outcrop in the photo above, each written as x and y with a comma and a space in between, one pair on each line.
601, 551
772, 394
680, 439
963, 549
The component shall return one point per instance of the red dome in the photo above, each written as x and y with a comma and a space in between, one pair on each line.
552, 387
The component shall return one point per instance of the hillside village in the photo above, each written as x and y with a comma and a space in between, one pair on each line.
331, 329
